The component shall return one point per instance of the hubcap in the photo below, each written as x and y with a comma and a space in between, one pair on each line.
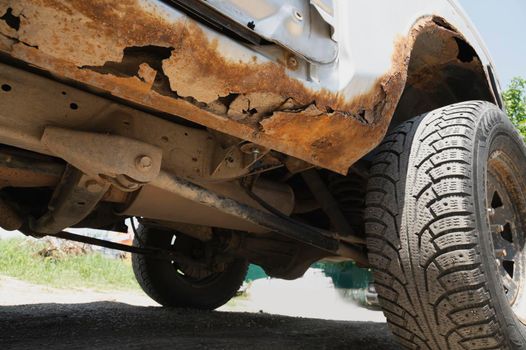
506, 214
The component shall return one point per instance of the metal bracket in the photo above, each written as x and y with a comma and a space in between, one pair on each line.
125, 162
304, 27
315, 237
236, 160
74, 198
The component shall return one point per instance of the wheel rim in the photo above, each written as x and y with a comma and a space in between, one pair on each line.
506, 213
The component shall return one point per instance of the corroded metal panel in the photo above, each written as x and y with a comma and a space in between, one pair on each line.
150, 54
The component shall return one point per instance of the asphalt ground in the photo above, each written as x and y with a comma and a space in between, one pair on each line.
114, 325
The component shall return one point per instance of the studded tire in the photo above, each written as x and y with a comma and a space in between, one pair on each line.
430, 234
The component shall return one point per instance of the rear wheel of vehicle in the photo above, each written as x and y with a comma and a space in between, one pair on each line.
445, 222
182, 285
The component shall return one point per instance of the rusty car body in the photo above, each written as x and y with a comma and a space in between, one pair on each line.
244, 125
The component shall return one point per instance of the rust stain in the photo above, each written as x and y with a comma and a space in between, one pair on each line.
147, 74
254, 106
442, 49
197, 69
12, 177
255, 101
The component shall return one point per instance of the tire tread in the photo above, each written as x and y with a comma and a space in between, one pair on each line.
441, 250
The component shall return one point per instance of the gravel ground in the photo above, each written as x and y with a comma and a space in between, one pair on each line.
82, 319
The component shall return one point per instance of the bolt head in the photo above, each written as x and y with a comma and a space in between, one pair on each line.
143, 163
292, 62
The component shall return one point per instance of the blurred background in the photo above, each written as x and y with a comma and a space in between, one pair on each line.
53, 270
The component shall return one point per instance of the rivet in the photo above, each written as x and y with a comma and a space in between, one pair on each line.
256, 152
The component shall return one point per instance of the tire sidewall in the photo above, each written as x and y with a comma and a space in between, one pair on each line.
494, 123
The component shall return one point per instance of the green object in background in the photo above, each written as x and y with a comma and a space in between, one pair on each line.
515, 102
351, 282
42, 263
255, 273
345, 275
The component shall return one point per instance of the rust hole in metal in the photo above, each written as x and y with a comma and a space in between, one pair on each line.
11, 20
442, 23
132, 58
252, 111
466, 53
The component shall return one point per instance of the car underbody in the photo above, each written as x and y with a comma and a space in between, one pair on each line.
235, 132
162, 118
97, 178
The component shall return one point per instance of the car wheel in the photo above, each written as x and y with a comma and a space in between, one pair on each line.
445, 224
183, 285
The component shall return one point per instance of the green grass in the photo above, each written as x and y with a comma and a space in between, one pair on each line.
19, 258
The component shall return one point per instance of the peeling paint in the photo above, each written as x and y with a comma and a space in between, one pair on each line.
133, 52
